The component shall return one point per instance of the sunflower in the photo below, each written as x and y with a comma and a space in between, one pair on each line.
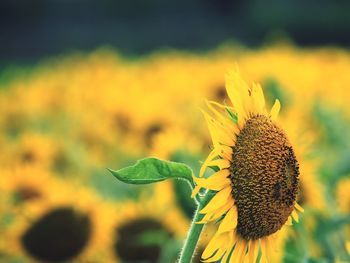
151, 230
256, 178
343, 199
343, 195
30, 148
25, 183
55, 222
167, 143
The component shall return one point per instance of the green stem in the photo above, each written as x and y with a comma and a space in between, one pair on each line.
194, 232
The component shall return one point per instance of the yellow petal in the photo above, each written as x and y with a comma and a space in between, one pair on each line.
229, 222
213, 246
224, 107
217, 201
253, 250
233, 237
298, 207
235, 97
273, 243
295, 216
221, 163
212, 130
211, 156
230, 244
258, 99
265, 249
275, 110
238, 251
195, 191
243, 89
225, 257
220, 134
217, 213
216, 182
225, 248
289, 221
224, 121
226, 152
243, 252
218, 255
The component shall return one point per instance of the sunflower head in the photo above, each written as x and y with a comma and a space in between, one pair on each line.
257, 175
134, 242
46, 239
263, 161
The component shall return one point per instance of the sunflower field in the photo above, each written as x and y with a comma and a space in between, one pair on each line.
67, 120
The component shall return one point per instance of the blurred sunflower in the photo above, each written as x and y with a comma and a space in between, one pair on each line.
150, 231
343, 202
167, 143
68, 223
257, 176
25, 183
30, 148
343, 195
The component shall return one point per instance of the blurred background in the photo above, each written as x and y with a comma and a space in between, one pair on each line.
90, 85
34, 29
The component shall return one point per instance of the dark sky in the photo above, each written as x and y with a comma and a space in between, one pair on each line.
33, 29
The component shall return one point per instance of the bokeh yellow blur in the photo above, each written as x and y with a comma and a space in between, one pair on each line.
66, 120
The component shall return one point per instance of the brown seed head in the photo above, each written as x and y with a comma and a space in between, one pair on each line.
264, 175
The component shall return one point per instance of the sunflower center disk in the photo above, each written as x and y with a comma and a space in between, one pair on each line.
141, 240
59, 236
264, 175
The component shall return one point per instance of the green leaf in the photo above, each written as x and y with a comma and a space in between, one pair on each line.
232, 115
153, 170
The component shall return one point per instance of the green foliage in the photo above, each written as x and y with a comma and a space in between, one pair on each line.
153, 170
181, 189
232, 115
333, 145
183, 198
6, 219
273, 90
106, 187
